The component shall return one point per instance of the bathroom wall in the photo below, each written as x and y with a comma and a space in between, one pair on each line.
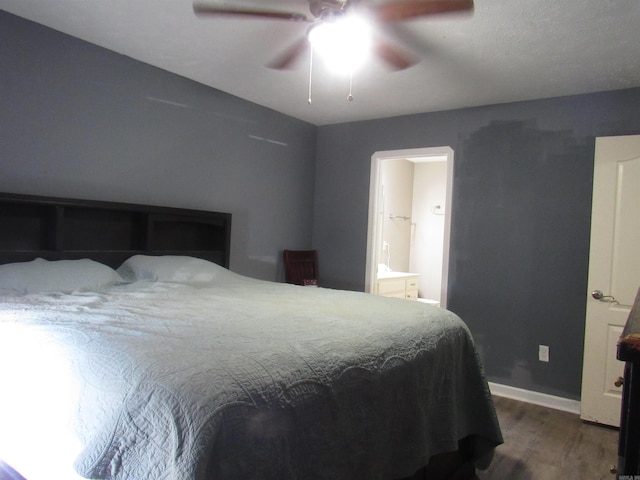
396, 180
427, 233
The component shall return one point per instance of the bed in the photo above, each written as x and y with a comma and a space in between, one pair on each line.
128, 350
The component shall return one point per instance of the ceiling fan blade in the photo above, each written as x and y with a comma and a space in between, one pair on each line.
404, 10
212, 10
392, 56
288, 58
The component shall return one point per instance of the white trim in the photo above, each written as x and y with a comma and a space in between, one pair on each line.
536, 398
443, 153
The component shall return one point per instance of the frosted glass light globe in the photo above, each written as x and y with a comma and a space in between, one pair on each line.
343, 43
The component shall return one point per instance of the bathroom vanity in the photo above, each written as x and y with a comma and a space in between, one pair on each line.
398, 285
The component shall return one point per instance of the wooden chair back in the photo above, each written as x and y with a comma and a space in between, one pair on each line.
301, 267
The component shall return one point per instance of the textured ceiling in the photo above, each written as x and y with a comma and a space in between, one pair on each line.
506, 51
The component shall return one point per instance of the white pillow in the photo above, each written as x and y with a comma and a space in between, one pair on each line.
66, 276
171, 268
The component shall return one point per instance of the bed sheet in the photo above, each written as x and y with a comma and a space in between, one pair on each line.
241, 380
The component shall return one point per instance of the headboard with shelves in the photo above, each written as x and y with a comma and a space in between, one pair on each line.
108, 232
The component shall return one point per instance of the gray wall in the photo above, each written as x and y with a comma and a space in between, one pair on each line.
520, 220
83, 122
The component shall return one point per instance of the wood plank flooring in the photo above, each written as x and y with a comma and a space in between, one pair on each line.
545, 444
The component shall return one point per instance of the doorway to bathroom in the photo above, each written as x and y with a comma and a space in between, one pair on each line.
410, 219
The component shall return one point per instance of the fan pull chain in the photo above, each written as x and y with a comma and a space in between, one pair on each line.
349, 97
310, 71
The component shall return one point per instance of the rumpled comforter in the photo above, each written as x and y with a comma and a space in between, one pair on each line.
254, 380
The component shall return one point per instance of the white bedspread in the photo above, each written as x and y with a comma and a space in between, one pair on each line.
246, 380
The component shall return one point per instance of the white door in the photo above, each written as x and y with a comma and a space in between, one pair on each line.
614, 270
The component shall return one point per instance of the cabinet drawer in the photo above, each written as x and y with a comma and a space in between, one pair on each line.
412, 288
393, 285
412, 295
412, 284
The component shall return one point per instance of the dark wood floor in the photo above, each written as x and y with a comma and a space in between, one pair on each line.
546, 444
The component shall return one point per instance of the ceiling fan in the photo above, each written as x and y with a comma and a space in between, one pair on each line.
327, 13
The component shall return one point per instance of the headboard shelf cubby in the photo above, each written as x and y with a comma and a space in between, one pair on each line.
109, 232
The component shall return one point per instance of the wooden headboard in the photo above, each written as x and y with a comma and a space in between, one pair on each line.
108, 232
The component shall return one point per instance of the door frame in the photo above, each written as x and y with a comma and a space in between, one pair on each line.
374, 231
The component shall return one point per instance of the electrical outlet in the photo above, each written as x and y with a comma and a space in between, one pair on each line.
543, 353
385, 246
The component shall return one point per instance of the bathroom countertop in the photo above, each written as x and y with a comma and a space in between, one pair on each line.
383, 275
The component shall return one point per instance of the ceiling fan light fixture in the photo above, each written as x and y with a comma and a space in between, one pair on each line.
343, 42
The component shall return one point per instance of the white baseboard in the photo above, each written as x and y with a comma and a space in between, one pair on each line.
536, 398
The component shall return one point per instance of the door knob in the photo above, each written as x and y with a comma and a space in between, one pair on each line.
619, 382
598, 295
